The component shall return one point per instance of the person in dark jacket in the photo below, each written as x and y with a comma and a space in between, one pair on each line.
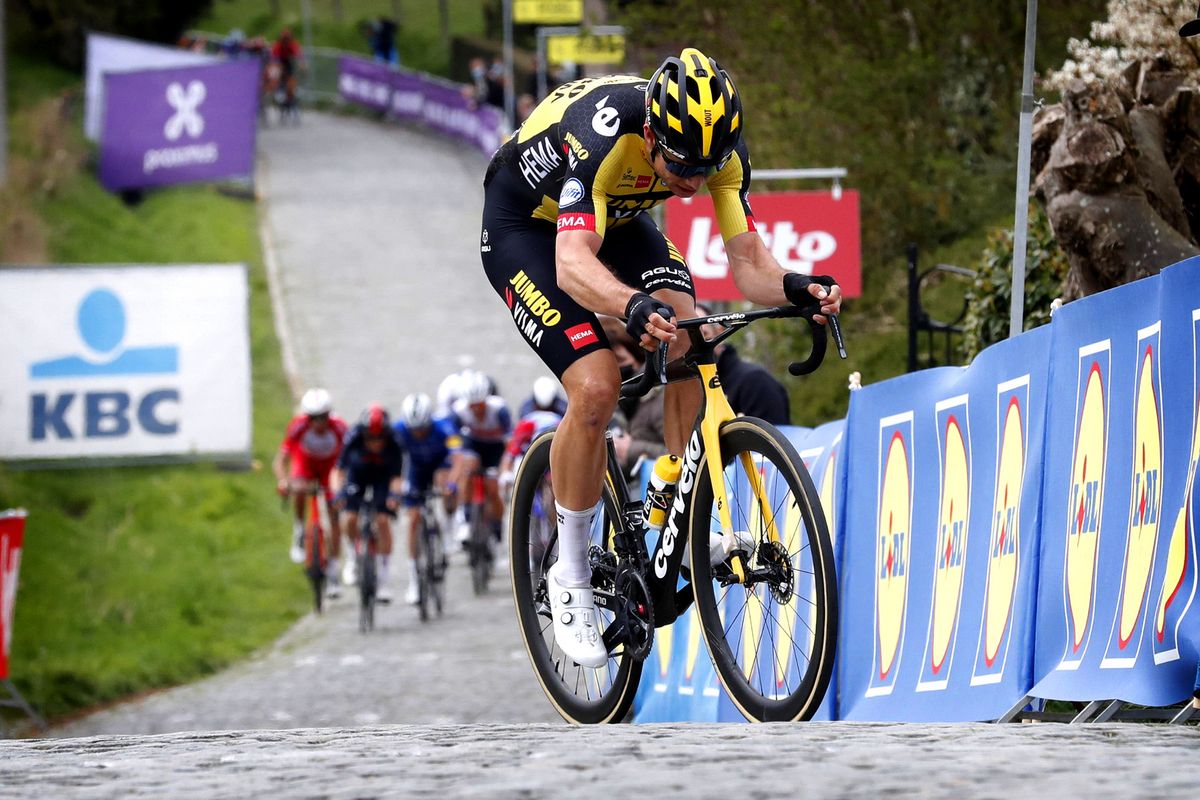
751, 389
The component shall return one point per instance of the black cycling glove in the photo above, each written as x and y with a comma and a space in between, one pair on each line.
637, 313
795, 287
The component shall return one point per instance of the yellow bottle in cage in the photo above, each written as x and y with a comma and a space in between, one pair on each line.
660, 491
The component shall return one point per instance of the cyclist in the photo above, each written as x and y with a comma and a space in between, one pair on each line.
544, 397
309, 450
371, 457
485, 422
608, 149
430, 444
540, 414
286, 53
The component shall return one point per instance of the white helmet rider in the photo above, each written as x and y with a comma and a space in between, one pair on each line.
417, 410
545, 392
316, 402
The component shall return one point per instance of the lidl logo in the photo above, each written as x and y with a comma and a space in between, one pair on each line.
1004, 551
894, 501
950, 554
1145, 500
106, 412
1086, 499
1180, 567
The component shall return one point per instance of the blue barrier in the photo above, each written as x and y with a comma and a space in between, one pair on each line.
1021, 526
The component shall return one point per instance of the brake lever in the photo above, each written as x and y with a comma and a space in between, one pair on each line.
836, 328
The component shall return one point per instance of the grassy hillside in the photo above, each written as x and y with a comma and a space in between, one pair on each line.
138, 577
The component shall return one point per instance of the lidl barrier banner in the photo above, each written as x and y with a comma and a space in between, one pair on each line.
142, 361
678, 680
939, 540
1025, 525
1118, 539
12, 535
178, 124
807, 232
107, 53
416, 97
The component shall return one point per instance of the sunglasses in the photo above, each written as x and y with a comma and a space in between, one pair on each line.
318, 417
682, 170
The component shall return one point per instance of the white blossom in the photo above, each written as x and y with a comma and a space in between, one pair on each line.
1135, 29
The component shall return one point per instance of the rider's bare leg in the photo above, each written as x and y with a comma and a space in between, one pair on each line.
577, 454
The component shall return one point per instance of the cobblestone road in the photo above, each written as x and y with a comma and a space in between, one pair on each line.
818, 760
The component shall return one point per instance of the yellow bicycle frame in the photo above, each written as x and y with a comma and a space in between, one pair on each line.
716, 413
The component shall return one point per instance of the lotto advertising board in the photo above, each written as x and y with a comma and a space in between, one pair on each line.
12, 535
678, 679
808, 232
416, 97
115, 362
940, 540
1118, 538
177, 125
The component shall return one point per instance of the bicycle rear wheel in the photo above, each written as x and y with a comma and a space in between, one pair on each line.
422, 571
582, 695
481, 550
772, 640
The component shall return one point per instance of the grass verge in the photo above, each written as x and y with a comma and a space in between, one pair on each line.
140, 577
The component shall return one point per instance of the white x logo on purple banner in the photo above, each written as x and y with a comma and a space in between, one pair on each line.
185, 104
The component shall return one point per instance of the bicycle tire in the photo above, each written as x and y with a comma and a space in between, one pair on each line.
764, 638
617, 681
435, 566
314, 564
480, 554
421, 571
367, 586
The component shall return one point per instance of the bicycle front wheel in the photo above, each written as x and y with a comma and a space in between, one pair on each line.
582, 695
772, 638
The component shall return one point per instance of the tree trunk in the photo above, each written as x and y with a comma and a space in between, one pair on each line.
1118, 170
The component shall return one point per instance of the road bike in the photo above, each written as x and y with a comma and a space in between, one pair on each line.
317, 540
431, 558
760, 572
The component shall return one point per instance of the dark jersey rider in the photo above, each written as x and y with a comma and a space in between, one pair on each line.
564, 237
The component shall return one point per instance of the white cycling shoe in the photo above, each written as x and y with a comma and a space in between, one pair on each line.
296, 551
576, 624
349, 572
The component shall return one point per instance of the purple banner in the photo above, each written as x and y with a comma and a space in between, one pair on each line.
177, 125
413, 97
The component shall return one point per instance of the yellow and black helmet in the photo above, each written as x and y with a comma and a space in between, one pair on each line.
693, 109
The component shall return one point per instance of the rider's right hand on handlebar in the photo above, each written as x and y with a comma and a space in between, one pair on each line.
649, 320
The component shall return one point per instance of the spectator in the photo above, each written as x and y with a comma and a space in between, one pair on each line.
479, 80
525, 106
640, 419
752, 391
381, 36
495, 83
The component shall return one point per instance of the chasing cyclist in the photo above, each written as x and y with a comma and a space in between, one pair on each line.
371, 457
609, 149
485, 422
308, 453
430, 445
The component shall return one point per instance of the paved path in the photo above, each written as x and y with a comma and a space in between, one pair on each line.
376, 233
817, 760
376, 229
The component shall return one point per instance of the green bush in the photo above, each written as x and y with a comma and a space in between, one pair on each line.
990, 298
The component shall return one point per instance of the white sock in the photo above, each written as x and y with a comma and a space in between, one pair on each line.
382, 571
412, 570
297, 528
460, 514
332, 569
574, 533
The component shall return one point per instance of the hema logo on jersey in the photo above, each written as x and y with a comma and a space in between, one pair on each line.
954, 453
1141, 542
1004, 541
1179, 575
1085, 503
895, 500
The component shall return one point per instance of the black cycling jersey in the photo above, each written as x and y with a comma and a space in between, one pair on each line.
356, 455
